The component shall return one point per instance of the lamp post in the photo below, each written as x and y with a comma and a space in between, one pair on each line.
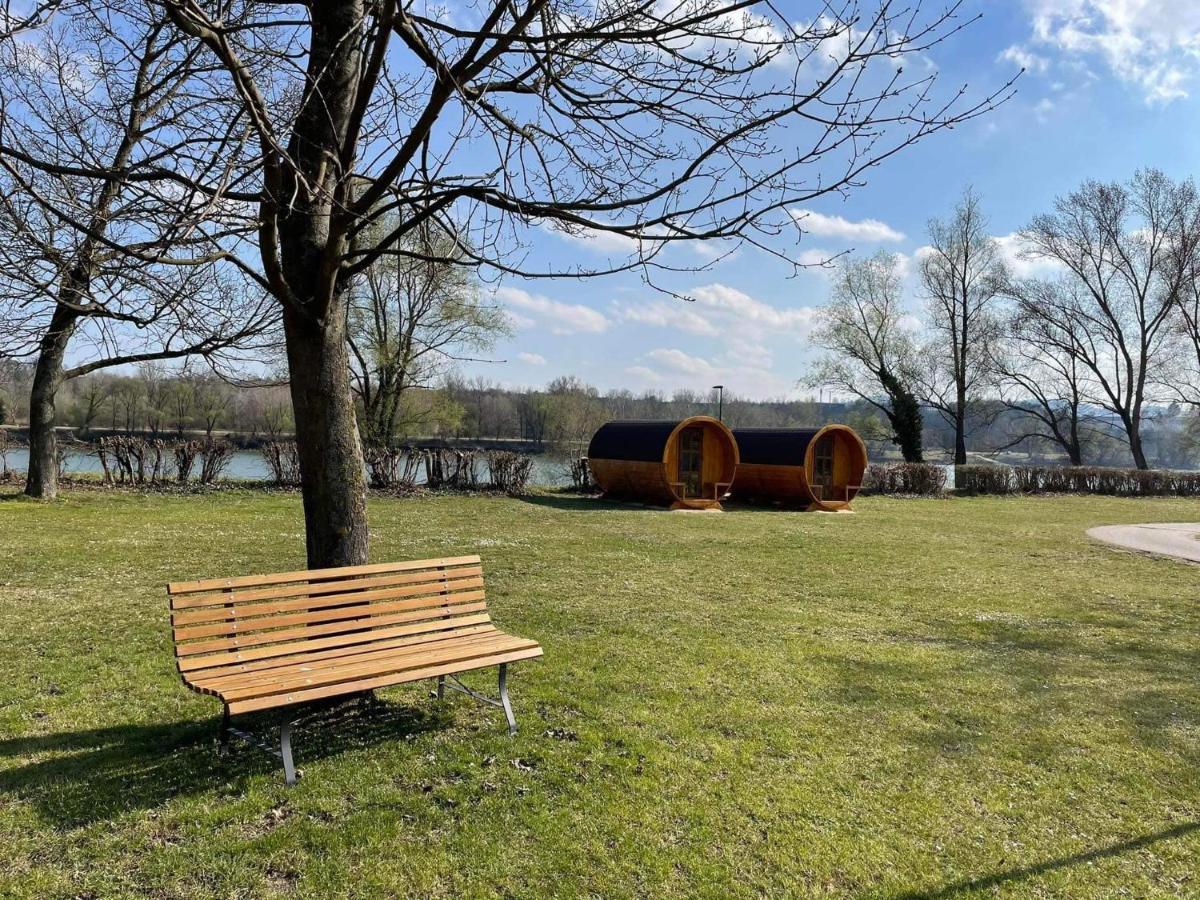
720, 389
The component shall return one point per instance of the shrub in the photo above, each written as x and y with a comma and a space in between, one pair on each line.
283, 461
214, 457
509, 472
922, 479
392, 467
984, 480
581, 476
1110, 482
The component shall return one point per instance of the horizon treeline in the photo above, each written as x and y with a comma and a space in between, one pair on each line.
162, 402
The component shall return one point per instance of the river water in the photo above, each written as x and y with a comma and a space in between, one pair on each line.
248, 465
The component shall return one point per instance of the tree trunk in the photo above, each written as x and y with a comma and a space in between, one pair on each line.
1074, 443
332, 475
960, 429
1135, 448
41, 479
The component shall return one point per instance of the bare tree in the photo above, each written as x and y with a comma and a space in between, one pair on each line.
1186, 387
870, 352
659, 123
182, 401
212, 396
962, 272
1039, 367
1124, 246
410, 318
95, 393
89, 106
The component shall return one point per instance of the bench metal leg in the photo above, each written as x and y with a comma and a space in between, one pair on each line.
508, 713
285, 752
223, 734
455, 684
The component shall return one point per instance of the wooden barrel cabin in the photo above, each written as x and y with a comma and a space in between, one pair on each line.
817, 468
683, 465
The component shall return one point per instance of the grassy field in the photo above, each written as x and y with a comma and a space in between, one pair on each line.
945, 698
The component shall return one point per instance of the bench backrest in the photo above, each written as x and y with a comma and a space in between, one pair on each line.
225, 621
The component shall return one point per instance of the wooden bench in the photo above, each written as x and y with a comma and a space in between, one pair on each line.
265, 641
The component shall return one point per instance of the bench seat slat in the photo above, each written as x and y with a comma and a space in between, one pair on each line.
357, 610
227, 604
341, 649
304, 631
300, 590
312, 575
303, 674
189, 664
380, 681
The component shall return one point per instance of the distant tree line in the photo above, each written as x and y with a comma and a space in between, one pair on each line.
1101, 343
561, 416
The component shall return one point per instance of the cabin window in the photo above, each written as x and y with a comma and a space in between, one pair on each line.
691, 442
823, 464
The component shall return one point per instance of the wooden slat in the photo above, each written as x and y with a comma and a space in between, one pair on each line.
372, 667
340, 650
191, 664
368, 658
332, 586
311, 575
289, 634
380, 681
430, 605
440, 588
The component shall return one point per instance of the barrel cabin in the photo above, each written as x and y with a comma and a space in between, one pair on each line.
682, 465
815, 468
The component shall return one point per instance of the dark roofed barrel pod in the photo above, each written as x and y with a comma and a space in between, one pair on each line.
818, 468
683, 465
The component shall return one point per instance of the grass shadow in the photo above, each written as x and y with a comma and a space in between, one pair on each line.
997, 879
83, 777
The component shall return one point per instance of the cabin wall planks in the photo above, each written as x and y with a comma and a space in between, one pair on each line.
688, 464
816, 468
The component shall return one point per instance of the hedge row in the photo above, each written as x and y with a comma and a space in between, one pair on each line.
923, 479
1076, 480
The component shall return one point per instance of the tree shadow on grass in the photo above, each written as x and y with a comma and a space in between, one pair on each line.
84, 777
996, 879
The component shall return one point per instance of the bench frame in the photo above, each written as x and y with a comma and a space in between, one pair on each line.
310, 707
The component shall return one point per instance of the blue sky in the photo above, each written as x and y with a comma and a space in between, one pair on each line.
1110, 85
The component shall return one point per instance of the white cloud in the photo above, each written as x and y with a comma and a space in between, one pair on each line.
534, 359
644, 373
1011, 246
743, 310
1043, 108
871, 231
560, 318
598, 240
819, 261
677, 314
683, 363
1153, 44
752, 377
1024, 58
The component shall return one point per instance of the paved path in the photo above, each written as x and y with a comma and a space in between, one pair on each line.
1180, 540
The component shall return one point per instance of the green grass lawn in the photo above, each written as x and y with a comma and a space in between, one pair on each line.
945, 698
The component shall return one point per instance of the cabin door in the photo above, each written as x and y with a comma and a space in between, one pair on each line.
691, 444
823, 467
